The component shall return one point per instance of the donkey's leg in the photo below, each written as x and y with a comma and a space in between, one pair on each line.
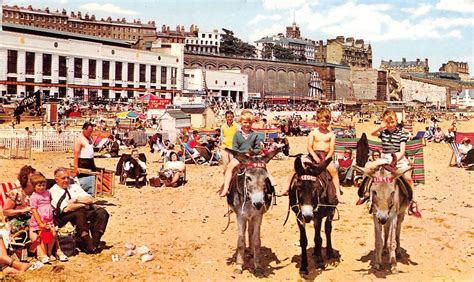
378, 244
398, 250
318, 243
303, 245
386, 230
242, 224
392, 243
256, 243
328, 231
250, 235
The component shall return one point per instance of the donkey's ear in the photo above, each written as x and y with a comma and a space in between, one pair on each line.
269, 156
241, 157
325, 163
299, 166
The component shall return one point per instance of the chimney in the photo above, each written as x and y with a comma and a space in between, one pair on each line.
182, 29
46, 10
360, 42
426, 61
340, 39
178, 28
72, 15
79, 15
350, 40
64, 12
86, 17
163, 28
404, 60
417, 61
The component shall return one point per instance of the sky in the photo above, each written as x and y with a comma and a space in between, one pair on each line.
440, 30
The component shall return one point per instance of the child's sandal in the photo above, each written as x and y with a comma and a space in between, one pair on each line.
63, 258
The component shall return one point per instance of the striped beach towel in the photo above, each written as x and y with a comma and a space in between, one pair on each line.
414, 151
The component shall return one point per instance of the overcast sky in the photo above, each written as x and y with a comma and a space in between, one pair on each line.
440, 30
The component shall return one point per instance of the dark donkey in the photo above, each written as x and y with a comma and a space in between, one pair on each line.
250, 196
309, 201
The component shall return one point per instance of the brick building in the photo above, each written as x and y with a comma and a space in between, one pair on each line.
348, 52
405, 66
460, 68
301, 47
79, 23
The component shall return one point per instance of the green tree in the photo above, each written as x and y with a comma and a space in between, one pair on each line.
282, 53
267, 51
233, 46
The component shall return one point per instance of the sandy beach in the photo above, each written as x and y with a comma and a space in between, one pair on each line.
182, 227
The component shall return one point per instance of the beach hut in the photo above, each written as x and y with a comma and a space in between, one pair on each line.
201, 117
173, 121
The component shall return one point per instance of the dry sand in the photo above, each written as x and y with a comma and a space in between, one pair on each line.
183, 226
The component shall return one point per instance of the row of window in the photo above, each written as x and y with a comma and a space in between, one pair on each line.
202, 42
12, 67
209, 35
54, 19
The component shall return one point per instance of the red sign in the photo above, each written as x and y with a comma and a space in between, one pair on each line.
158, 103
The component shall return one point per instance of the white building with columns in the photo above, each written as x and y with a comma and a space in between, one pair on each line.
220, 85
83, 67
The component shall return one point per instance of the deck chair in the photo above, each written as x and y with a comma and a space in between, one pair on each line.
4, 188
209, 156
420, 135
456, 155
124, 174
190, 157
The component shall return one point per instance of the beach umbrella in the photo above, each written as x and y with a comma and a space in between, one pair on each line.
130, 115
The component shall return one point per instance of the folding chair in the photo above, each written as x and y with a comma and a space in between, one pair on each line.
4, 188
189, 157
124, 174
456, 155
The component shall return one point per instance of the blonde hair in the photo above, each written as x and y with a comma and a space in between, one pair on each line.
37, 178
323, 113
246, 115
389, 114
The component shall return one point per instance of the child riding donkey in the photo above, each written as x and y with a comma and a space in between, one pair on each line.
321, 147
393, 146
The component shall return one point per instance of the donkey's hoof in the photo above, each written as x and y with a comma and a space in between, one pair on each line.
303, 271
398, 254
330, 254
238, 269
393, 268
320, 265
377, 267
259, 271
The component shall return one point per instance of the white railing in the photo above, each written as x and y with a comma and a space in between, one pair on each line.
39, 141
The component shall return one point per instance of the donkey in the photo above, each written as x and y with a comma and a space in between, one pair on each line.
250, 196
389, 199
308, 200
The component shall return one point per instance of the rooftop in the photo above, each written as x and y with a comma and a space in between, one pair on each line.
63, 34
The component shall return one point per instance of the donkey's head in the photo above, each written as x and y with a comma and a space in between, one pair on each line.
384, 195
307, 186
256, 175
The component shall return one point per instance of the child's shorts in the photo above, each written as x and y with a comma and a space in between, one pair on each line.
403, 163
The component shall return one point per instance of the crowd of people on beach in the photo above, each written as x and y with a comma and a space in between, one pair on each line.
41, 206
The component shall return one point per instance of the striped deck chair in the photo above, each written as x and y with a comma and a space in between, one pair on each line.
414, 151
4, 188
456, 155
